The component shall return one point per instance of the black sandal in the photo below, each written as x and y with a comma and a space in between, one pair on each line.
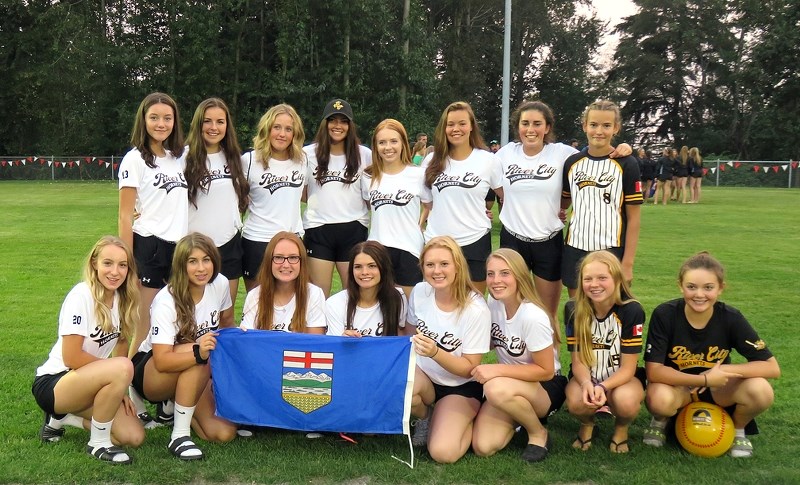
614, 446
181, 445
107, 454
583, 445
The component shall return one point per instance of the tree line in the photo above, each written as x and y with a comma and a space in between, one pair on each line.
710, 73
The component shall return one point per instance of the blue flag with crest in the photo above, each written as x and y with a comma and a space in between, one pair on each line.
314, 382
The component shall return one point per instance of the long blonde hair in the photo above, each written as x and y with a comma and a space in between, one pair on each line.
583, 313
128, 291
266, 281
179, 281
462, 288
526, 291
261, 144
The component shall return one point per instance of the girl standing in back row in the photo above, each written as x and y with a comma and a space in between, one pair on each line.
605, 194
276, 172
336, 216
218, 190
458, 176
151, 183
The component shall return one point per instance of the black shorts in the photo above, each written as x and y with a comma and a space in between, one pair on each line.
139, 361
665, 177
571, 261
43, 390
333, 242
153, 260
556, 389
231, 254
698, 174
542, 257
469, 389
750, 428
476, 254
406, 267
252, 255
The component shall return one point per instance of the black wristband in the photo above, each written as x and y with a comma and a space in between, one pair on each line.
197, 357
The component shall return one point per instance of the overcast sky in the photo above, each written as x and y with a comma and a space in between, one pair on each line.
613, 11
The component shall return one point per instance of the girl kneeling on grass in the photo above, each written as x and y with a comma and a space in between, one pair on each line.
526, 384
689, 342
79, 385
172, 363
452, 322
604, 334
285, 299
371, 305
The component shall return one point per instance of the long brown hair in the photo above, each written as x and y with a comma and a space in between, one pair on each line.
390, 300
352, 154
584, 309
178, 285
266, 280
197, 177
128, 291
441, 147
141, 140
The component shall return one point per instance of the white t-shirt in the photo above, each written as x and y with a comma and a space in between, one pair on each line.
335, 201
77, 317
395, 204
161, 195
461, 333
275, 195
368, 321
527, 331
217, 212
532, 189
164, 319
282, 316
459, 197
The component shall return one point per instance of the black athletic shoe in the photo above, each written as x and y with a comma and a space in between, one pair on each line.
48, 434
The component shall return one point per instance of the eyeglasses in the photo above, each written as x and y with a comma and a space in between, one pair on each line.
283, 259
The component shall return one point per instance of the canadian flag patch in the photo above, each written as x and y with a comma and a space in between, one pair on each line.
637, 330
638, 186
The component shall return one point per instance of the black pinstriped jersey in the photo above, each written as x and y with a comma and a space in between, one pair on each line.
619, 332
600, 188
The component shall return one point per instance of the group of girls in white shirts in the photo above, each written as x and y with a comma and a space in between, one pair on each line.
159, 292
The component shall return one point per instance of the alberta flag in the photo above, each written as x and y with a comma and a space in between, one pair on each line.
314, 382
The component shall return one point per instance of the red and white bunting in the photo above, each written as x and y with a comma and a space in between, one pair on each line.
785, 167
713, 169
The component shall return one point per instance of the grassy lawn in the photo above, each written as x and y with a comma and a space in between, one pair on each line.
47, 228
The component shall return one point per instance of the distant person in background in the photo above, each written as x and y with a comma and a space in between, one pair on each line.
336, 216
682, 174
663, 175
696, 172
85, 379
494, 145
418, 153
218, 189
422, 137
276, 173
152, 183
647, 169
574, 144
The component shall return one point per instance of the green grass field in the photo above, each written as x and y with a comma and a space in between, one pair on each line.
47, 228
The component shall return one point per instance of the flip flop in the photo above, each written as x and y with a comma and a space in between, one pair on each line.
614, 446
108, 454
583, 445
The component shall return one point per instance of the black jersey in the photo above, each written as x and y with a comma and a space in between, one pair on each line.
619, 332
673, 342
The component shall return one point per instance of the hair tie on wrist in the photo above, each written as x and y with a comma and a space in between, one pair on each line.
601, 386
705, 380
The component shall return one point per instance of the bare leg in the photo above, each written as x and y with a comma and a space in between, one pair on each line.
321, 273
451, 428
143, 328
